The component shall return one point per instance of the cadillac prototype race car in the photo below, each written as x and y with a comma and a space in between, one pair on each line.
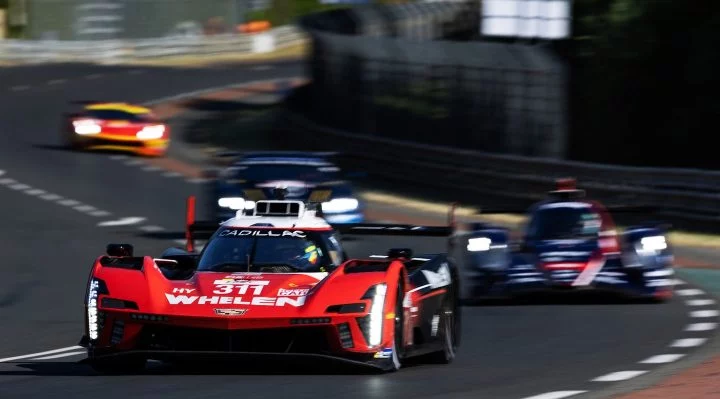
306, 176
569, 244
274, 282
117, 127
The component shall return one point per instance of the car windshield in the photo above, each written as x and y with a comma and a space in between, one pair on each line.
264, 250
258, 172
118, 115
564, 223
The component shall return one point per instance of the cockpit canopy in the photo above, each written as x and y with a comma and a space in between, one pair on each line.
570, 220
271, 250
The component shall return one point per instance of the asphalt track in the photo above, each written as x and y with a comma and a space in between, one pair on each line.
507, 351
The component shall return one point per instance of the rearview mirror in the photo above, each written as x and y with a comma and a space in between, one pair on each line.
119, 250
400, 253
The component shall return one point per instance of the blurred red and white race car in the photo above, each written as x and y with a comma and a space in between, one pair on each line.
116, 126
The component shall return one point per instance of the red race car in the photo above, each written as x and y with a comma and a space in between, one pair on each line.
117, 127
275, 282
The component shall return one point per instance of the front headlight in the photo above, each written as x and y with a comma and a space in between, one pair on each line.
377, 315
92, 309
651, 245
151, 132
479, 244
86, 127
339, 205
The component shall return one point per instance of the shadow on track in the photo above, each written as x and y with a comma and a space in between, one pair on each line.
64, 148
562, 299
194, 367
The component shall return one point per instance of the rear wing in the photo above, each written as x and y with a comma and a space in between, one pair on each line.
390, 229
194, 229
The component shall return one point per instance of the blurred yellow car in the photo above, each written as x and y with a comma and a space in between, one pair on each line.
117, 127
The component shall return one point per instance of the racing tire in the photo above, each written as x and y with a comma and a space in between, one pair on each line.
118, 366
394, 363
449, 330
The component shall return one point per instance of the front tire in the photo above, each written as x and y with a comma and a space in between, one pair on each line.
394, 363
118, 366
449, 330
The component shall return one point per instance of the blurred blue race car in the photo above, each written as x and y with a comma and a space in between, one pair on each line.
570, 244
306, 176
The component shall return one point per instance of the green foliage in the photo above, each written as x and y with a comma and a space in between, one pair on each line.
282, 12
644, 74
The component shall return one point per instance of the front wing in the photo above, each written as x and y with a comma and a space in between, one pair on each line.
610, 277
171, 337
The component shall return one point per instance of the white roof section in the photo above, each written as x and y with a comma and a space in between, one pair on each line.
282, 214
566, 204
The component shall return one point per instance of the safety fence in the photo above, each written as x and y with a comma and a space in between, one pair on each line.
474, 176
412, 72
416, 21
117, 51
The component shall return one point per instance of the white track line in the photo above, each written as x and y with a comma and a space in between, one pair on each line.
690, 292
35, 191
659, 359
705, 313
172, 174
85, 208
700, 302
69, 348
619, 376
19, 186
152, 229
59, 356
51, 197
100, 213
555, 395
69, 202
701, 327
688, 342
122, 222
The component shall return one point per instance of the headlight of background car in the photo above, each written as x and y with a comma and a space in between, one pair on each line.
651, 245
87, 126
339, 205
151, 132
235, 203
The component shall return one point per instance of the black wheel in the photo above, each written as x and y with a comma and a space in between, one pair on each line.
118, 366
394, 362
449, 329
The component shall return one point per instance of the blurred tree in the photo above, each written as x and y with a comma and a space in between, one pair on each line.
645, 86
282, 12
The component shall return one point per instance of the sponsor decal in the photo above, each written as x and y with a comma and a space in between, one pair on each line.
234, 300
262, 233
293, 292
386, 353
230, 312
183, 290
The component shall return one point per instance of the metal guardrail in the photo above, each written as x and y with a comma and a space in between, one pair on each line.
40, 51
684, 193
